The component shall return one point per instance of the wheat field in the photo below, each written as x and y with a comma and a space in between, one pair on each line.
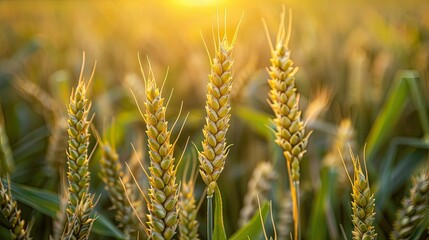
227, 119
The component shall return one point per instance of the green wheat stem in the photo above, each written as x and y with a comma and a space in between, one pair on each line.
209, 217
296, 183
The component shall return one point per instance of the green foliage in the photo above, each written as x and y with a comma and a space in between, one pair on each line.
253, 229
47, 203
219, 228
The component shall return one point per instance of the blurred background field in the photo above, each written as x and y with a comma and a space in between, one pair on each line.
353, 50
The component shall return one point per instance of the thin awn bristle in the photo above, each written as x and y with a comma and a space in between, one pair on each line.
414, 208
163, 190
9, 209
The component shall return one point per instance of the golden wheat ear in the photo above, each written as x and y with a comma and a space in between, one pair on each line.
163, 190
9, 209
213, 156
414, 208
80, 201
283, 99
363, 203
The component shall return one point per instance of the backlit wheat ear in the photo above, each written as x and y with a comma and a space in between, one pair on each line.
78, 131
188, 224
55, 155
284, 101
212, 158
163, 192
363, 203
258, 186
79, 200
414, 208
54, 116
9, 209
111, 173
318, 106
344, 140
36, 95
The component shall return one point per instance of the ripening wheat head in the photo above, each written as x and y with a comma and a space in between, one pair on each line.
212, 158
284, 101
78, 126
111, 173
188, 224
363, 204
9, 209
80, 201
414, 208
163, 193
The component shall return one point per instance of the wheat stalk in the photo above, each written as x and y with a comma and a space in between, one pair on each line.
9, 209
284, 101
111, 173
414, 208
259, 185
80, 201
363, 203
163, 190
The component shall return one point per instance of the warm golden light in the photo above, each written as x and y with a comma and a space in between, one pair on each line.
198, 2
